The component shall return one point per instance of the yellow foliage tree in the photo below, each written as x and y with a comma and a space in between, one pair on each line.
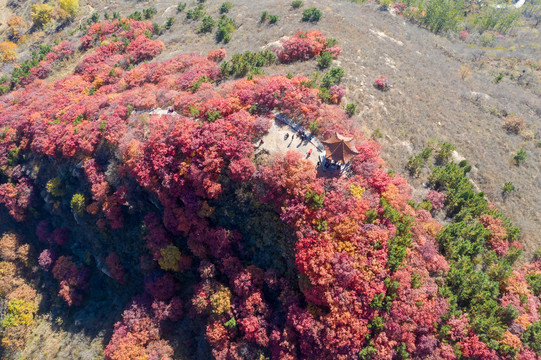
55, 187
15, 24
7, 51
356, 190
220, 300
170, 258
69, 6
41, 14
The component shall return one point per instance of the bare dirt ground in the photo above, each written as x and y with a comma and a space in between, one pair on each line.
429, 99
275, 141
5, 14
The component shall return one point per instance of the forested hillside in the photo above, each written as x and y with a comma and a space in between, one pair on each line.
142, 216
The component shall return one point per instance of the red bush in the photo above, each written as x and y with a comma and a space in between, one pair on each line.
217, 55
304, 46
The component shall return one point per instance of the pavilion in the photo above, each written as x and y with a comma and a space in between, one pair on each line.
340, 149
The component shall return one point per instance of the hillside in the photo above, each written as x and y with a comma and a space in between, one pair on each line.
153, 207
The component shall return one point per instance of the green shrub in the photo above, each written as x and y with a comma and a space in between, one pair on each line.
196, 85
416, 163
331, 42
351, 109
193, 111
136, 15
333, 77
181, 7
13, 156
508, 188
534, 280
150, 12
385, 4
242, 64
321, 225
225, 7
231, 323
169, 23
445, 150
213, 115
519, 157
264, 16
314, 200
325, 95
197, 13
78, 202
325, 60
297, 4
532, 337
313, 15
207, 25
273, 19
226, 27
314, 128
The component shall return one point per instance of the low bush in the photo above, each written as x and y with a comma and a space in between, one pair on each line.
197, 13
385, 4
416, 163
519, 157
381, 83
225, 7
181, 7
226, 27
312, 15
351, 109
333, 77
325, 60
297, 4
207, 25
508, 188
513, 124
247, 63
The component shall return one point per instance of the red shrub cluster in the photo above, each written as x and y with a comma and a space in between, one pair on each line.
73, 280
47, 259
115, 267
62, 51
436, 198
498, 235
217, 55
137, 336
16, 197
381, 83
304, 46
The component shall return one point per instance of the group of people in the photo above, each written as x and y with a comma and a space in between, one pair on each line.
332, 163
302, 135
